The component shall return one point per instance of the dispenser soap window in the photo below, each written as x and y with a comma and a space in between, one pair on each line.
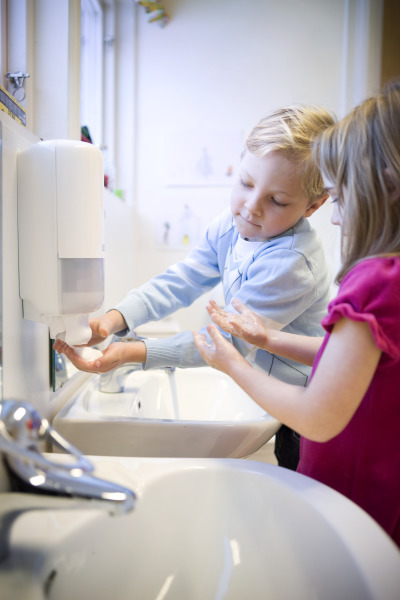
61, 236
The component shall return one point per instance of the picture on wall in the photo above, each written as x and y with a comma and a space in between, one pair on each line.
198, 158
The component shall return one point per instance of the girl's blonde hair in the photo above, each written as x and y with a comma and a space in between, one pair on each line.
291, 130
361, 156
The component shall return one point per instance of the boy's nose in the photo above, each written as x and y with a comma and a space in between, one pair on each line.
253, 205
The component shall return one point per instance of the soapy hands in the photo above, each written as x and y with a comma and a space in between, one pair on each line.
220, 354
115, 355
245, 325
249, 327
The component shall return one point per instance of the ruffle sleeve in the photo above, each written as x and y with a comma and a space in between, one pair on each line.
370, 293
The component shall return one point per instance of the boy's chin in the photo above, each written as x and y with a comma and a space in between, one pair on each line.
247, 232
252, 237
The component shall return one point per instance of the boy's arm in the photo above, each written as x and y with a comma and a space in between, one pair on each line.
176, 351
177, 288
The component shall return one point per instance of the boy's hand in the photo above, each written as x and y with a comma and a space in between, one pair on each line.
100, 330
246, 325
105, 325
220, 354
102, 327
116, 354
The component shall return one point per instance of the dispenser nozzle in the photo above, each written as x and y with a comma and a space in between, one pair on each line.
72, 329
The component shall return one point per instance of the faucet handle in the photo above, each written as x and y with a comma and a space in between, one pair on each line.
23, 431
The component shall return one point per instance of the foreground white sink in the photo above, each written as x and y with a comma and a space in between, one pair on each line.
202, 530
187, 413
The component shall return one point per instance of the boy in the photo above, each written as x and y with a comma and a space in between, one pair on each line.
262, 249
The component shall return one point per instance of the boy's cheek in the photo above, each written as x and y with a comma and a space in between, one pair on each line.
235, 202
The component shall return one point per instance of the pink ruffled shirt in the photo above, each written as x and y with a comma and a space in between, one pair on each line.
363, 461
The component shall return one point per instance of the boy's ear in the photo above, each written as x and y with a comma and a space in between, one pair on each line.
316, 205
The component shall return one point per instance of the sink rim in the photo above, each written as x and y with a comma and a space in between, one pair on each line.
133, 435
92, 384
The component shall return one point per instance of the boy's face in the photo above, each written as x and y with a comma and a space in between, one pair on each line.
267, 197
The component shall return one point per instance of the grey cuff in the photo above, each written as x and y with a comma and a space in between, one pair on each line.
134, 315
159, 355
176, 351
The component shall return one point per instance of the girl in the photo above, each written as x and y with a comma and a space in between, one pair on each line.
349, 415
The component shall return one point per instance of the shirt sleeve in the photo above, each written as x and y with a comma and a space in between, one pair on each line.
370, 293
177, 288
176, 351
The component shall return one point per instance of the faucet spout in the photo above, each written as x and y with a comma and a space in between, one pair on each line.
23, 432
47, 483
80, 489
113, 382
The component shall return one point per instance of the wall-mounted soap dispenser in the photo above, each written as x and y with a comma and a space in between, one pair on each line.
61, 236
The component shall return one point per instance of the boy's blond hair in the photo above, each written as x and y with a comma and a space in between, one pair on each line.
291, 130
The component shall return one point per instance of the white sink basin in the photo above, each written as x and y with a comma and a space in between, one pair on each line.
187, 413
202, 530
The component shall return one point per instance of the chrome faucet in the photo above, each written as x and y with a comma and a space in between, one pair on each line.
23, 438
113, 382
45, 483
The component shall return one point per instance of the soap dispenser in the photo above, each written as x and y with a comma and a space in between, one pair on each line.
61, 236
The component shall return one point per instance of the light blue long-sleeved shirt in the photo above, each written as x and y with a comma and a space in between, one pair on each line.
285, 279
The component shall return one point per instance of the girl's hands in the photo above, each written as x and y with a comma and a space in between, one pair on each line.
114, 355
220, 354
245, 325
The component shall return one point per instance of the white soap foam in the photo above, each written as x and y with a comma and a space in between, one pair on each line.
88, 353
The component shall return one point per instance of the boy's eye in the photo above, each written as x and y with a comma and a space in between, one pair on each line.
245, 184
277, 203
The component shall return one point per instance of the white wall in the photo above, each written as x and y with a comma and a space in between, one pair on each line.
219, 66
53, 88
23, 374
